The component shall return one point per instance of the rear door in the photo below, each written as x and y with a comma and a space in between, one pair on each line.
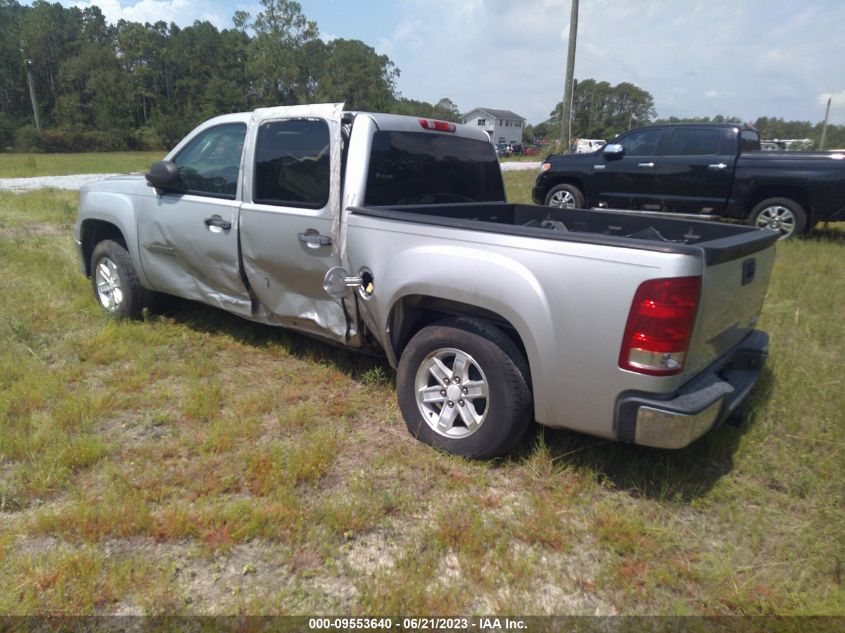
289, 217
695, 167
628, 182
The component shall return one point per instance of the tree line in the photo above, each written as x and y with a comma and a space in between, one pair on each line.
103, 86
71, 81
603, 111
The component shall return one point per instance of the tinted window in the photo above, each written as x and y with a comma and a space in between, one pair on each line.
210, 163
640, 143
696, 142
749, 141
424, 168
292, 163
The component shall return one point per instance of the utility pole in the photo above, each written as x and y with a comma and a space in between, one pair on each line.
566, 115
824, 126
32, 96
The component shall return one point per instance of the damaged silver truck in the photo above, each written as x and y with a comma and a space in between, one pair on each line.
392, 233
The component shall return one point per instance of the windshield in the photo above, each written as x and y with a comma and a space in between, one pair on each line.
425, 168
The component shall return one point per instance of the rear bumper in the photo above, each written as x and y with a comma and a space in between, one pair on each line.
702, 404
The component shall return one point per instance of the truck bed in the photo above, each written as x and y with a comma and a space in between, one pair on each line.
717, 242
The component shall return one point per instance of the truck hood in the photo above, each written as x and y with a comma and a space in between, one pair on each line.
566, 160
131, 183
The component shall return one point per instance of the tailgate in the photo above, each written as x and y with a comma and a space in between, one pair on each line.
734, 284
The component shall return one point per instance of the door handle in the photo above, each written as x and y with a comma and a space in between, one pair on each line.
217, 222
313, 238
716, 166
645, 164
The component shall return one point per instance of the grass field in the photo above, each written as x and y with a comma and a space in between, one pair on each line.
194, 463
28, 165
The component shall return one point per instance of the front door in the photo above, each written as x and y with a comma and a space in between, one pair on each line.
189, 241
627, 182
695, 169
289, 218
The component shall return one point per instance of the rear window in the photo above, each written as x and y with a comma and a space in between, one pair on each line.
749, 141
424, 168
697, 142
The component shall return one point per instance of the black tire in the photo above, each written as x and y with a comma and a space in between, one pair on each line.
119, 293
781, 214
494, 360
565, 197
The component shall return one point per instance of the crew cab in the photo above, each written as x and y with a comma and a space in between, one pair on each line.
712, 170
392, 234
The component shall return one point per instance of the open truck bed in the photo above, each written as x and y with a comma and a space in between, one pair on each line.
718, 242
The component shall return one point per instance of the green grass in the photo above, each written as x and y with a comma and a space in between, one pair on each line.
197, 463
28, 165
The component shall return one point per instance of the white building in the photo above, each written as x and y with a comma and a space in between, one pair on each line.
502, 126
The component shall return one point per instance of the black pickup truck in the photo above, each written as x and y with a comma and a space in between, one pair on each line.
714, 170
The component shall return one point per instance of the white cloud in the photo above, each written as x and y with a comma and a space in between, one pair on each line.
837, 99
182, 12
756, 58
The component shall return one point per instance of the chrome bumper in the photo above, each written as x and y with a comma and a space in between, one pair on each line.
699, 406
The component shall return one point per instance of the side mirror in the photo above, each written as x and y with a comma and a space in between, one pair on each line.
614, 151
164, 175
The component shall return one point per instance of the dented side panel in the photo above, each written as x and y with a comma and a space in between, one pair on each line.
285, 270
183, 256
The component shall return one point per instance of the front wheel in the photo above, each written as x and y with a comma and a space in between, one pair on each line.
565, 197
463, 388
115, 282
781, 214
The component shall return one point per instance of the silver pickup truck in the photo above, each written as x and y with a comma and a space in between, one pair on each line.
392, 233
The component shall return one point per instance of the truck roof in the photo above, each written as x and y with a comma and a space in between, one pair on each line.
385, 121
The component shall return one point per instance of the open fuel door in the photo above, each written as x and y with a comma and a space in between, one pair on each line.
290, 216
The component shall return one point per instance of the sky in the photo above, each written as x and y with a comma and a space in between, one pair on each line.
745, 58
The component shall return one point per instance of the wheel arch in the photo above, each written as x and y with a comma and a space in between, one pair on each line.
411, 313
106, 215
530, 328
94, 231
798, 194
555, 180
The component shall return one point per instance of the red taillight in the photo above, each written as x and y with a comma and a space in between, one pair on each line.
659, 326
439, 126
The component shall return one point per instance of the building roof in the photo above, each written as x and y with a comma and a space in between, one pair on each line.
498, 114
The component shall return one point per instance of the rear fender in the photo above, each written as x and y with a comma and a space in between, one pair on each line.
493, 284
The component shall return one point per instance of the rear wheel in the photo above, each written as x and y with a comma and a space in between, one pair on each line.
463, 388
781, 214
565, 197
115, 282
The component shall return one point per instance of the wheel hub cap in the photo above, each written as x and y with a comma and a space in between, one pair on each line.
778, 218
563, 200
452, 393
107, 280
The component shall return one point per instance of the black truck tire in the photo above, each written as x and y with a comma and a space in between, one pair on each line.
115, 282
463, 387
781, 214
565, 197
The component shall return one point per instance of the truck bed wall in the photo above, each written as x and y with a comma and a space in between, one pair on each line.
718, 242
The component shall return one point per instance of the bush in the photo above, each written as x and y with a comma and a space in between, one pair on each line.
26, 139
72, 140
145, 139
7, 133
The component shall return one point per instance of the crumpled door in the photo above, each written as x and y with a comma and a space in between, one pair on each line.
289, 217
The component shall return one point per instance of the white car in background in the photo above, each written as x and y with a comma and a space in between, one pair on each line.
589, 145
